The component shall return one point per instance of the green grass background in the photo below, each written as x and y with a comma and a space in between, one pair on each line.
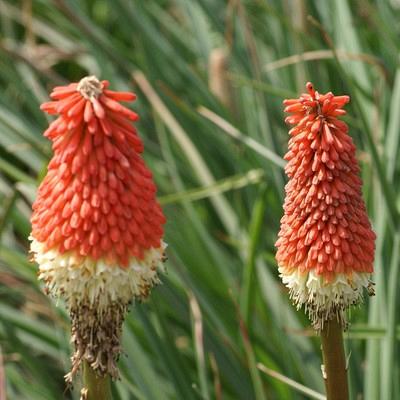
222, 308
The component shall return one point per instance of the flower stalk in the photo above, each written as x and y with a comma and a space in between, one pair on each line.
334, 367
95, 387
326, 245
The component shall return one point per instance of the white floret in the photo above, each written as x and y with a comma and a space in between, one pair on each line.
78, 279
324, 299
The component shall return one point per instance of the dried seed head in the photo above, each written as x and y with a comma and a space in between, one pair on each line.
96, 337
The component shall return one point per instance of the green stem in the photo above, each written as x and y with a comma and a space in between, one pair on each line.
97, 388
335, 373
390, 344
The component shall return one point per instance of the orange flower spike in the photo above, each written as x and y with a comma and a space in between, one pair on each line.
325, 250
97, 227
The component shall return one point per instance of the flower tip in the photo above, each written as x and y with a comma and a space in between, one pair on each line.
310, 88
346, 99
90, 87
105, 84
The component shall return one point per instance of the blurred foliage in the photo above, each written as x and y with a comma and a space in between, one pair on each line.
222, 308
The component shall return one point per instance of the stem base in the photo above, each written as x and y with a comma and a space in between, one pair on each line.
335, 373
95, 387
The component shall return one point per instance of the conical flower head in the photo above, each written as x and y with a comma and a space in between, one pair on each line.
325, 250
96, 225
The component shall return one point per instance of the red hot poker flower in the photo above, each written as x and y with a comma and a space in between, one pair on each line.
325, 250
96, 226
